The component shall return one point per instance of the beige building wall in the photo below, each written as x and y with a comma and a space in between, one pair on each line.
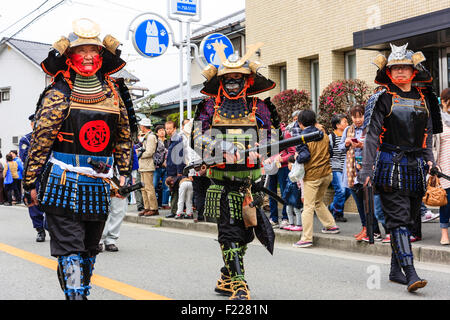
295, 32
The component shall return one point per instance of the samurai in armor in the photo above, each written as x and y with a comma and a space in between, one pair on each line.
400, 120
228, 121
79, 116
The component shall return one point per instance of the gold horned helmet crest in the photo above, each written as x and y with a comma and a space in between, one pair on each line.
85, 32
234, 63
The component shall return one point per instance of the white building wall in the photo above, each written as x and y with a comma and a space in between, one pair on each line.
27, 82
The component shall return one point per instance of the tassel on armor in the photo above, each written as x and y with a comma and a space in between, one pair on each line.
233, 256
401, 246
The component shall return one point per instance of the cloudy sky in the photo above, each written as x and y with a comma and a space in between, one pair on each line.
113, 16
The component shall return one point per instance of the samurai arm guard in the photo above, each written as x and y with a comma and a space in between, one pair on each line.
123, 145
370, 106
201, 140
373, 124
49, 119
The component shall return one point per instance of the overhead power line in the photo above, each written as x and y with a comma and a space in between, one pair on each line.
24, 17
36, 18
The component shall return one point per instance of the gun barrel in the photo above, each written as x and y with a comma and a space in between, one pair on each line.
266, 150
279, 146
439, 174
123, 191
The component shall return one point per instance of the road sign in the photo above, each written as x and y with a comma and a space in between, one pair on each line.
151, 38
209, 53
185, 7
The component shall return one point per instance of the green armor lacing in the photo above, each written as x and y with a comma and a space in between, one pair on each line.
229, 255
212, 201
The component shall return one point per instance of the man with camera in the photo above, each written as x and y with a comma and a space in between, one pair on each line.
147, 168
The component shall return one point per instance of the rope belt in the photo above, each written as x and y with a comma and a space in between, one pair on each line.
85, 171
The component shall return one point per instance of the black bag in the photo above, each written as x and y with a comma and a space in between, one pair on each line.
159, 155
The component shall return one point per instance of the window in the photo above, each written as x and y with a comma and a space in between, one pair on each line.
237, 45
283, 79
15, 140
4, 94
315, 86
350, 65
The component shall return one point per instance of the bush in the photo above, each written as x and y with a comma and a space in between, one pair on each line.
175, 117
288, 101
338, 97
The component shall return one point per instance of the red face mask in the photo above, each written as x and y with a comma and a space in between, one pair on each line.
86, 70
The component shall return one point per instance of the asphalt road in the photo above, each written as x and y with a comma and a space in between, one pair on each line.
162, 263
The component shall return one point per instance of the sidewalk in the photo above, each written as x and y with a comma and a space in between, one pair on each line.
427, 250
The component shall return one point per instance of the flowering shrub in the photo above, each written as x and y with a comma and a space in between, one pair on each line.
288, 101
338, 97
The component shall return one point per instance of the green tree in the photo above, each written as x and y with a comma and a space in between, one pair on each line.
175, 117
147, 106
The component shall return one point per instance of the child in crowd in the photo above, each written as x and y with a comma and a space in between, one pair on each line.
185, 193
292, 197
341, 193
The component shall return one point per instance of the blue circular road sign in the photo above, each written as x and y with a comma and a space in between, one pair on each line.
209, 53
151, 38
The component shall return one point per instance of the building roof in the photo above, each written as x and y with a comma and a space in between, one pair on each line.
171, 96
36, 52
233, 19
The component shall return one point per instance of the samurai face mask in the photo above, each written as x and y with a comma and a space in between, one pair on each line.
233, 86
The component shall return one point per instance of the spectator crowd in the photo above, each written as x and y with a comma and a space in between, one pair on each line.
299, 174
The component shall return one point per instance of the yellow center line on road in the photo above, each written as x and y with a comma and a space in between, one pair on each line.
104, 282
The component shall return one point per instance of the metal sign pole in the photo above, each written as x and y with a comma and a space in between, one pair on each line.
188, 61
188, 44
181, 74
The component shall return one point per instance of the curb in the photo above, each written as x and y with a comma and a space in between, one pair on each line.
422, 253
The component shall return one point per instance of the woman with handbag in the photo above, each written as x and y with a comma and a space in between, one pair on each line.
442, 144
10, 173
400, 121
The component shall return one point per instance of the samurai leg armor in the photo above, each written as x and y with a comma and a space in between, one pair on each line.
233, 256
88, 268
403, 251
70, 275
396, 274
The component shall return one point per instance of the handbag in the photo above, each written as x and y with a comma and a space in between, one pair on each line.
297, 172
249, 213
435, 195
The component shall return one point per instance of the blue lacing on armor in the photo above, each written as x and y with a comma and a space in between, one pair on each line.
79, 193
70, 261
258, 118
405, 253
399, 175
90, 261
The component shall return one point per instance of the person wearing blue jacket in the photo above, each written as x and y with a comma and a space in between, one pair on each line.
174, 164
36, 215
